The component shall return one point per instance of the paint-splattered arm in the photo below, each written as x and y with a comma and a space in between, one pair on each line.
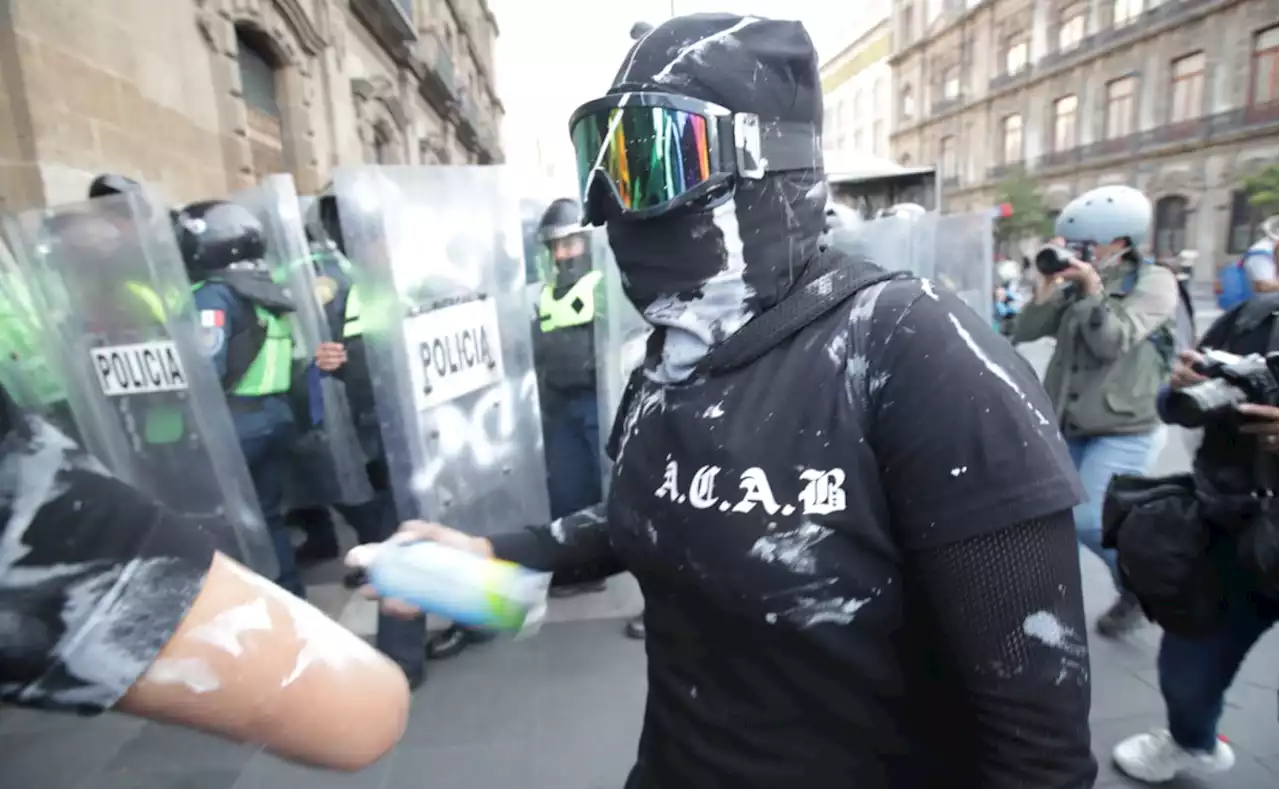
1111, 327
1003, 619
575, 549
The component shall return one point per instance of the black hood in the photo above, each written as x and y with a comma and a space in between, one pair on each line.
745, 64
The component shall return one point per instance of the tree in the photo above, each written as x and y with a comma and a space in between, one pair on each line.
1264, 194
1029, 217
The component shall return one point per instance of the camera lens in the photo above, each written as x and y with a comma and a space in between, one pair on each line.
1196, 405
1052, 260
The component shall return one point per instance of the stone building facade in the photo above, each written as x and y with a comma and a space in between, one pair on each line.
198, 98
1175, 97
857, 89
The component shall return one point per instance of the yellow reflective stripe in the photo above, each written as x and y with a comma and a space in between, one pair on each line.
152, 300
560, 314
353, 317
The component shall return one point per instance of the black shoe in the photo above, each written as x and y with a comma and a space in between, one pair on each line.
313, 552
635, 627
577, 589
452, 641
1123, 617
415, 676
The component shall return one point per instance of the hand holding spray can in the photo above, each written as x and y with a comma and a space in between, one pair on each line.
472, 590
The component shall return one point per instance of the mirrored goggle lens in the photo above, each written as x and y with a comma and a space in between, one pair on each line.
651, 155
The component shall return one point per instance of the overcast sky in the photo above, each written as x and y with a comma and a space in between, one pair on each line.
555, 54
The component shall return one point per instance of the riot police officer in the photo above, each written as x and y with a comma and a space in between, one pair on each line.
247, 334
565, 359
375, 520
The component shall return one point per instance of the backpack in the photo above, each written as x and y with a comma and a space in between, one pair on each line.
1233, 285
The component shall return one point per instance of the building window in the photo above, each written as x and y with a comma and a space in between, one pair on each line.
382, 153
406, 8
258, 86
908, 23
908, 104
1012, 140
877, 137
1171, 226
1064, 123
1071, 33
947, 156
1124, 12
905, 160
858, 142
951, 82
878, 94
1120, 94
1015, 57
1262, 84
1188, 88
1245, 220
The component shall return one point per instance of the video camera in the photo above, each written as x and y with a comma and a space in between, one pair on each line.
1053, 259
1233, 380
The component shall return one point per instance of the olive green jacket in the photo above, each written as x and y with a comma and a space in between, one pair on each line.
1105, 371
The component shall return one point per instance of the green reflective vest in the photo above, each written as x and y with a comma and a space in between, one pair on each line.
575, 308
271, 371
352, 319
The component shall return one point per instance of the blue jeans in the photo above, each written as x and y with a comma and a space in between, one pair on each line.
1196, 672
266, 431
572, 438
1098, 459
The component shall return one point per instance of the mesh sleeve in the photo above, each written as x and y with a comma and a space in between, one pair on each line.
575, 549
1003, 619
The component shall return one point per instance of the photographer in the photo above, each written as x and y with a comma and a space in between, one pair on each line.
1200, 549
1111, 315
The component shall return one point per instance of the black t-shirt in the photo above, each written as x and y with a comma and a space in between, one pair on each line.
94, 577
771, 516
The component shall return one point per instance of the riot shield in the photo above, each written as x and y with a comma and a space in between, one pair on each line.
121, 328
953, 250
621, 335
439, 259
26, 371
964, 258
326, 464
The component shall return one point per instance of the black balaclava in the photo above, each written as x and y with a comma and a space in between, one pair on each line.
704, 271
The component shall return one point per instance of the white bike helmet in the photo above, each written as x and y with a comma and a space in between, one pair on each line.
1100, 216
840, 216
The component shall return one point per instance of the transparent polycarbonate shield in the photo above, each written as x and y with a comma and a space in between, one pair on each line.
439, 254
121, 326
26, 371
621, 335
895, 243
963, 255
326, 464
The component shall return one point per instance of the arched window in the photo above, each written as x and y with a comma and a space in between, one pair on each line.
905, 159
259, 80
1171, 226
1245, 221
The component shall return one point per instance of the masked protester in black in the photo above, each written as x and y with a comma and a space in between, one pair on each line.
857, 551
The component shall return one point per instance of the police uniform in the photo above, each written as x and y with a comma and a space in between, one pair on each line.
247, 335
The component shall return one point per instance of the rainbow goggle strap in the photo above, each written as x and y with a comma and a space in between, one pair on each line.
657, 151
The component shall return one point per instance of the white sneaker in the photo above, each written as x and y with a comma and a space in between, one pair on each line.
1155, 758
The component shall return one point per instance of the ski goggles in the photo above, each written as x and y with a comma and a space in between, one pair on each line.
655, 152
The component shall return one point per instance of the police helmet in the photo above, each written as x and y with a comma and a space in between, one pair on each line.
109, 184
214, 234
902, 211
1102, 215
840, 216
562, 218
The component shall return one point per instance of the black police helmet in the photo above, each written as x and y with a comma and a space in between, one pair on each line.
562, 218
109, 184
214, 234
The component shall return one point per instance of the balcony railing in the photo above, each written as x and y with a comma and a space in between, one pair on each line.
439, 85
390, 20
1198, 131
469, 130
942, 105
999, 171
950, 181
1009, 78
